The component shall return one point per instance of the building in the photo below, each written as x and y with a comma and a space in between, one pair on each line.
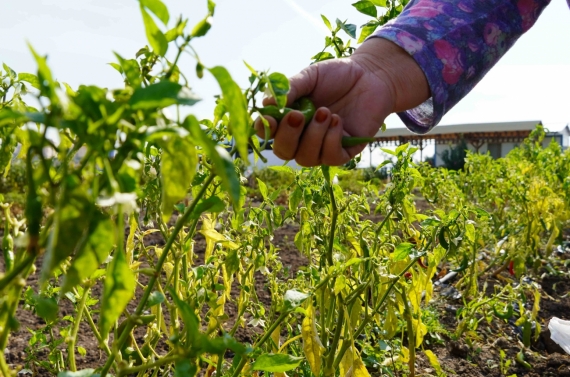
496, 138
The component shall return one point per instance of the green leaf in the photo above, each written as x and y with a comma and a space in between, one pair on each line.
80, 373
366, 7
118, 291
232, 261
293, 299
185, 368
324, 55
379, 3
276, 363
327, 22
96, 250
236, 104
177, 170
278, 84
158, 8
349, 29
223, 164
9, 71
480, 212
70, 224
211, 7
47, 83
155, 37
131, 69
176, 31
155, 298
30, 78
162, 94
46, 308
402, 251
213, 204
202, 27
367, 30
262, 188
251, 69
190, 319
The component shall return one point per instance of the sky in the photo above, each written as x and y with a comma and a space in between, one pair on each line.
531, 82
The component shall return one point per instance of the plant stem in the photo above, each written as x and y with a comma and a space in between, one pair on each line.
157, 363
177, 228
329, 370
76, 323
263, 339
334, 215
411, 335
91, 323
3, 366
378, 306
17, 270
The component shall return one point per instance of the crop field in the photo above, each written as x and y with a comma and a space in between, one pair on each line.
134, 244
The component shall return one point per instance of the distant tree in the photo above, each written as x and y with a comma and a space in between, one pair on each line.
454, 158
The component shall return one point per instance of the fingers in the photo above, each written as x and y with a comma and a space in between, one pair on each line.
288, 134
317, 143
309, 151
332, 152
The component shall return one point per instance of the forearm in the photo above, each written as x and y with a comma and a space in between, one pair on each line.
456, 43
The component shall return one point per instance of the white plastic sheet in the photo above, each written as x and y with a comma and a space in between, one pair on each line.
560, 333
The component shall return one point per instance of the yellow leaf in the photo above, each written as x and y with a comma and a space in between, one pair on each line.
391, 322
275, 336
339, 284
346, 363
405, 353
358, 368
434, 362
311, 343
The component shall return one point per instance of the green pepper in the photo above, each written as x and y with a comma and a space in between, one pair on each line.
304, 105
307, 107
520, 360
506, 314
8, 249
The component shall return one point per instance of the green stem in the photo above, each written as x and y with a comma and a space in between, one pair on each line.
177, 228
378, 306
75, 331
411, 337
329, 369
93, 327
3, 366
261, 341
157, 363
334, 210
17, 270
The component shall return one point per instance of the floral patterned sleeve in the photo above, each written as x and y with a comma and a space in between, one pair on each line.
456, 42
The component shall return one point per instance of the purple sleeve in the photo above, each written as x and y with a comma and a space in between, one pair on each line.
456, 42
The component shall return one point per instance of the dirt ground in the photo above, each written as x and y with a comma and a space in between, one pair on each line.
456, 358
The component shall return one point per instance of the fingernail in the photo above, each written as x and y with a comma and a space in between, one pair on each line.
321, 115
296, 120
334, 122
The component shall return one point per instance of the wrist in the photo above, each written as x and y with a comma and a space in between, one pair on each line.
398, 69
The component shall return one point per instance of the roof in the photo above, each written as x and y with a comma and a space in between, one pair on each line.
466, 128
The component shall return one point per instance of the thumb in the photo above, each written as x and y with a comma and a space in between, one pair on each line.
303, 83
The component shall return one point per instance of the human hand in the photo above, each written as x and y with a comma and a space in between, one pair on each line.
353, 97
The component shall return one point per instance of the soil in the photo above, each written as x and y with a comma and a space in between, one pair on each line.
481, 358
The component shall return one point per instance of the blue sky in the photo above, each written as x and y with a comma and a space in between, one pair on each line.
532, 81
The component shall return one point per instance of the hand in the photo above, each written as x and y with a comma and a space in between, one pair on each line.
353, 97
